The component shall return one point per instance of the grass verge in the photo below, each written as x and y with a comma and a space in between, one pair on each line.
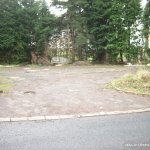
138, 83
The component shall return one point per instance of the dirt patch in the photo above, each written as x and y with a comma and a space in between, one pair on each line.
29, 92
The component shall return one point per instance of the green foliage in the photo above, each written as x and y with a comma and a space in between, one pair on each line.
104, 30
117, 35
44, 28
146, 19
9, 36
146, 23
98, 23
25, 26
75, 21
107, 25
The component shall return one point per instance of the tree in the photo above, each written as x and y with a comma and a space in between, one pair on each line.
10, 40
102, 27
29, 20
44, 29
107, 25
25, 26
117, 34
98, 14
123, 22
146, 19
132, 11
146, 23
76, 22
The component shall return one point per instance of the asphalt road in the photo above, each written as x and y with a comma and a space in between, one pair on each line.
118, 132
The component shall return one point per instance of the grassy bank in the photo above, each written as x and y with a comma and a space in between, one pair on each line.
138, 83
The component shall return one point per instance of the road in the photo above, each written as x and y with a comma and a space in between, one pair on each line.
116, 132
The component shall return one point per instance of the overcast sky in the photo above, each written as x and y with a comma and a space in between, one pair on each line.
144, 3
58, 12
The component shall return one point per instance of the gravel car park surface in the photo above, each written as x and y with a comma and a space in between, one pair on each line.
66, 90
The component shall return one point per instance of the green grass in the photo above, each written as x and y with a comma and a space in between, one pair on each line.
8, 66
137, 84
34, 66
147, 68
5, 85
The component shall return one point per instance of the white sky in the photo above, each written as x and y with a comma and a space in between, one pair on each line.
58, 12
143, 3
55, 10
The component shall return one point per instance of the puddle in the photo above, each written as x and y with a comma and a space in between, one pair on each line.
29, 92
31, 71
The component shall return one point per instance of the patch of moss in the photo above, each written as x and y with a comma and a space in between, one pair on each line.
5, 84
34, 66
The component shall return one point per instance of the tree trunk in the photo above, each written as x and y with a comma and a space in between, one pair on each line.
121, 57
73, 43
101, 57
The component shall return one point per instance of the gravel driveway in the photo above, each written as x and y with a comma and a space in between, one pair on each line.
65, 90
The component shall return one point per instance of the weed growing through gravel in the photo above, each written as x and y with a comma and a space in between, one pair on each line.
138, 83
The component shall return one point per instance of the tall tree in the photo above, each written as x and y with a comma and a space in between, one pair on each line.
75, 22
44, 29
146, 23
25, 26
98, 14
117, 34
29, 19
131, 11
10, 41
146, 19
